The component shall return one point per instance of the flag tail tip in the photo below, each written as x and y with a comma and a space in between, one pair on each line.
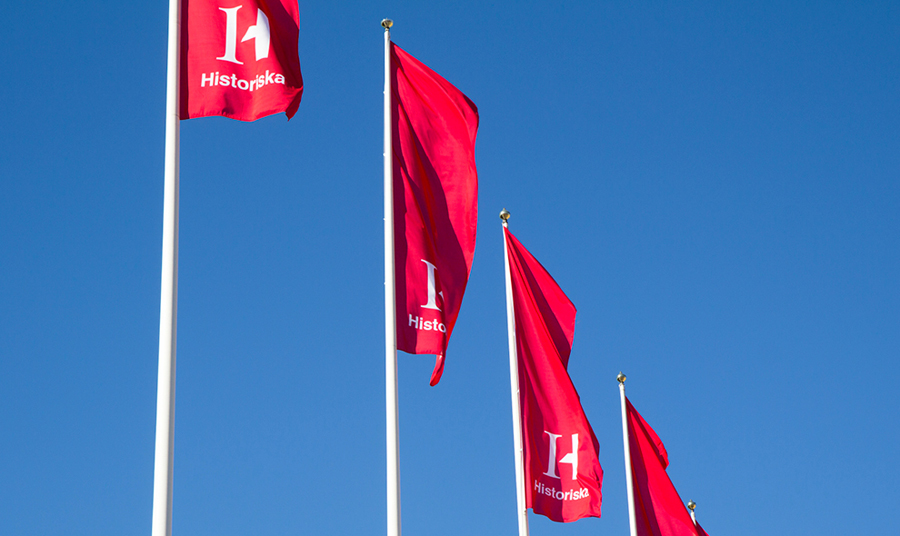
620, 377
438, 370
387, 23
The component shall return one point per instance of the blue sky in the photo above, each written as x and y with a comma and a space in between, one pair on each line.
714, 185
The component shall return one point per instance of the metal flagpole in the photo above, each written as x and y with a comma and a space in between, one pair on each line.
168, 302
390, 315
521, 509
691, 505
629, 485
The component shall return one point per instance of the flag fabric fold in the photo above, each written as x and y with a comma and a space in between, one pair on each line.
563, 476
657, 505
435, 204
239, 61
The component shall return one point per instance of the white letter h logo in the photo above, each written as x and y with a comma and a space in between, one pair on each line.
432, 288
259, 32
570, 458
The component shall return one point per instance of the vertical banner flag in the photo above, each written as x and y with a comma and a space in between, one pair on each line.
562, 469
657, 506
239, 58
700, 531
435, 204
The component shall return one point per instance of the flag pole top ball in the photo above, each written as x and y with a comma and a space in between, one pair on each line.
387, 23
621, 378
504, 215
692, 505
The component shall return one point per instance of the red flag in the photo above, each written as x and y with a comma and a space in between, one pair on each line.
239, 58
562, 469
658, 508
435, 204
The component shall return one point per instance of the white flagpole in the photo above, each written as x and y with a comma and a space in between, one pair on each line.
629, 485
691, 505
168, 302
390, 315
521, 509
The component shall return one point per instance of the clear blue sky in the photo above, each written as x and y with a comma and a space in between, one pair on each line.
716, 187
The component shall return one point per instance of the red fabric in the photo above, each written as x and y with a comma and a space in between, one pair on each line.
435, 204
700, 531
213, 40
551, 409
658, 508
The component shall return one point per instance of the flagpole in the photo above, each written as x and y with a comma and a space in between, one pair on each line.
168, 303
390, 315
629, 485
691, 505
521, 509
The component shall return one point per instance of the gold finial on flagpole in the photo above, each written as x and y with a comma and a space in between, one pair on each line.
621, 378
504, 215
387, 23
692, 505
